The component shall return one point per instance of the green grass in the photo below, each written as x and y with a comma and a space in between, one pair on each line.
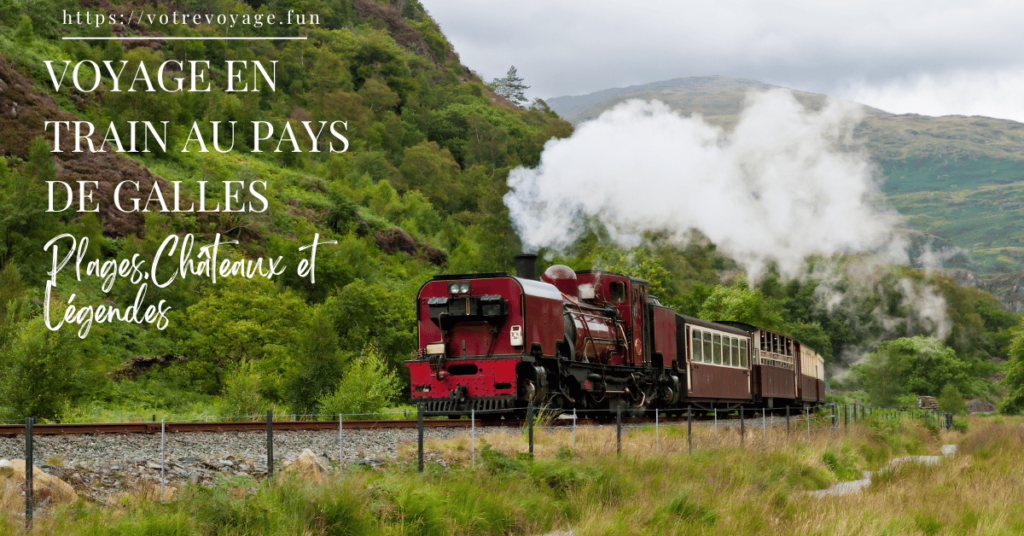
727, 490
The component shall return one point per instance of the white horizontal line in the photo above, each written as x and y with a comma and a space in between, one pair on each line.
184, 38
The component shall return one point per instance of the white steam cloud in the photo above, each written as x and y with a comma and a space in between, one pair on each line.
785, 184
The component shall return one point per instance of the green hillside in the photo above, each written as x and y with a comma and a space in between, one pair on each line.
418, 192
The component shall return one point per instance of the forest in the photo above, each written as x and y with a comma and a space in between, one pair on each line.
418, 192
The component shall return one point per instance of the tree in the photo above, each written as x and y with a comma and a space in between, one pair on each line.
740, 303
432, 170
241, 320
42, 371
950, 401
13, 303
368, 386
366, 313
319, 364
511, 87
1013, 403
907, 367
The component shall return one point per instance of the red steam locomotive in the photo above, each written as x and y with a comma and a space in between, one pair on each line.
592, 340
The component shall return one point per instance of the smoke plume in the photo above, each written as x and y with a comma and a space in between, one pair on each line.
785, 184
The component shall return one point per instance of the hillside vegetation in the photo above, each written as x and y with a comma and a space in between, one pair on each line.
419, 192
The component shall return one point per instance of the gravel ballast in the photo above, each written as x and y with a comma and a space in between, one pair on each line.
104, 464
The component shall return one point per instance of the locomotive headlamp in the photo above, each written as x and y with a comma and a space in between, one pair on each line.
458, 287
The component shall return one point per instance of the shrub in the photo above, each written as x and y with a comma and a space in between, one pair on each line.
243, 393
42, 371
366, 387
951, 401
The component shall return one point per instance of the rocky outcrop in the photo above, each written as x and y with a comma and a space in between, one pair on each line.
980, 406
136, 366
1009, 288
47, 489
393, 240
23, 112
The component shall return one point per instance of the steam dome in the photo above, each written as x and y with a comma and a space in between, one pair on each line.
562, 277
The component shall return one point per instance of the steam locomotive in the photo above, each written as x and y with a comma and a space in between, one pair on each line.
592, 340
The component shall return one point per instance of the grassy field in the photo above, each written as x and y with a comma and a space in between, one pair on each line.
721, 487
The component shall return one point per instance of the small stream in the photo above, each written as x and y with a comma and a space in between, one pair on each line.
843, 488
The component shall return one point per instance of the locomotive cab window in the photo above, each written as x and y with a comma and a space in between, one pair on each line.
617, 292
696, 346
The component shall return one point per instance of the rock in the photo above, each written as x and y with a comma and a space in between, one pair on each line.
309, 467
980, 406
46, 487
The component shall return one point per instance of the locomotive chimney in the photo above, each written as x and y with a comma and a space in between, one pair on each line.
526, 266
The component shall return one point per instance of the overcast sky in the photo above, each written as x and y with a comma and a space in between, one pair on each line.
929, 57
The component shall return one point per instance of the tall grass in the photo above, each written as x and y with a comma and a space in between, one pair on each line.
723, 486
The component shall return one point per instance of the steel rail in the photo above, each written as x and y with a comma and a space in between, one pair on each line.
11, 430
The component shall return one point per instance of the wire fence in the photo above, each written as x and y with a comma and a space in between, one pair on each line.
674, 431
704, 428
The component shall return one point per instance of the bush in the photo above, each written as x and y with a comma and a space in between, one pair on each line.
242, 393
41, 371
951, 401
366, 387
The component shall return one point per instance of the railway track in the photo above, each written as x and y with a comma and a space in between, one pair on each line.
11, 430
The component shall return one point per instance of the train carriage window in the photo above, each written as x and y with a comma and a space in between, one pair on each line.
707, 347
718, 349
743, 353
696, 345
789, 346
775, 343
762, 341
735, 352
617, 292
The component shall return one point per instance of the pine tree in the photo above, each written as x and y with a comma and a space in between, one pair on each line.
511, 87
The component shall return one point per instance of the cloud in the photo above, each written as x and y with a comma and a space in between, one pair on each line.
574, 47
784, 185
963, 92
